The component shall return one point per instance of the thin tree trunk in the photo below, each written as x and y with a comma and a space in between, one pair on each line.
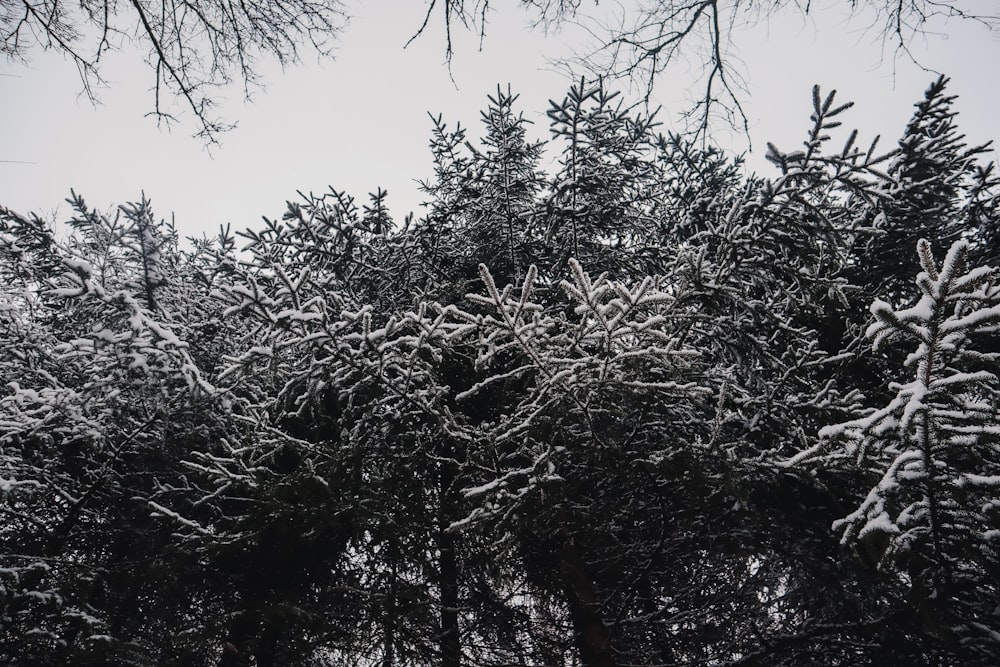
593, 640
238, 646
451, 649
267, 645
389, 620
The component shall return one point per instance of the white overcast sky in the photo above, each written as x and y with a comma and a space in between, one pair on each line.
360, 121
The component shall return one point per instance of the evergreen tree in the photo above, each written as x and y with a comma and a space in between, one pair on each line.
926, 196
597, 208
557, 420
698, 184
97, 409
504, 183
932, 452
984, 213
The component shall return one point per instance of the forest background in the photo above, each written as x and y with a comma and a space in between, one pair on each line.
608, 399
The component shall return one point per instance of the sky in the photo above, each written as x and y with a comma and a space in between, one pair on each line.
360, 121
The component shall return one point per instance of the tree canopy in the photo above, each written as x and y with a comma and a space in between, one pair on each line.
643, 408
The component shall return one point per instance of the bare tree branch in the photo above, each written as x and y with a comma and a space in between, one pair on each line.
646, 37
193, 46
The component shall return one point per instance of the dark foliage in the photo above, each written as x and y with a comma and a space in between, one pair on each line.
602, 416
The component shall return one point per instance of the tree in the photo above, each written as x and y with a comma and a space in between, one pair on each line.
597, 202
932, 451
364, 389
649, 36
931, 194
97, 404
506, 179
339, 446
151, 516
478, 190
192, 47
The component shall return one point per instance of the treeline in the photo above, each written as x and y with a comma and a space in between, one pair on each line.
624, 413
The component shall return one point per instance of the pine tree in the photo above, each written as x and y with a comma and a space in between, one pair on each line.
503, 185
597, 206
95, 410
766, 279
933, 449
360, 390
552, 420
925, 197
439, 248
698, 184
983, 206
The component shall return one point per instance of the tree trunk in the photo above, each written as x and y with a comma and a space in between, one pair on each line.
451, 650
237, 648
389, 620
266, 653
593, 640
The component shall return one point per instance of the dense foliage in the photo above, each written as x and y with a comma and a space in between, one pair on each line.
626, 412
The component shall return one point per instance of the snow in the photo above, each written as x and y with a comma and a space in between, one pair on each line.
68, 292
915, 392
8, 484
489, 486
956, 255
160, 510
106, 335
880, 524
973, 479
958, 379
78, 264
922, 311
974, 320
